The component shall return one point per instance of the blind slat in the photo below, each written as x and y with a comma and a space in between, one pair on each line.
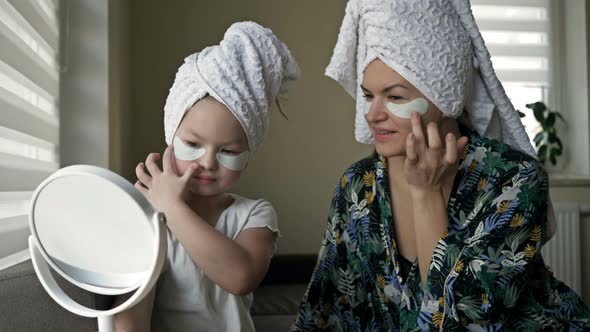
22, 27
11, 224
518, 50
19, 85
523, 76
14, 179
519, 3
19, 137
13, 204
7, 196
40, 20
19, 115
19, 56
14, 259
505, 25
13, 236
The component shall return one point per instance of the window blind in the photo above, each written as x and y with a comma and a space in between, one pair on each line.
518, 36
29, 114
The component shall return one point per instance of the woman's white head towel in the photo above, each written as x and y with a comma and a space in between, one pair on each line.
246, 72
436, 46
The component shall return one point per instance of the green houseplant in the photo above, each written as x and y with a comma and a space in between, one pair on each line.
547, 143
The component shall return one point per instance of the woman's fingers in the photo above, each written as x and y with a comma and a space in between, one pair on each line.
411, 154
434, 142
451, 149
462, 143
151, 165
142, 175
417, 127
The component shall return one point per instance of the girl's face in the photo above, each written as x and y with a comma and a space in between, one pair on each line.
211, 126
382, 85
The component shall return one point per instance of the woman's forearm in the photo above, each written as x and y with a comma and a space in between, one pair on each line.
430, 222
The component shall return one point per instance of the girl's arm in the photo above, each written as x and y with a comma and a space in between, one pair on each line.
236, 266
139, 317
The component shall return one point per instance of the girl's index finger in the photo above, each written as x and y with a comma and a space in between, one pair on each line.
167, 161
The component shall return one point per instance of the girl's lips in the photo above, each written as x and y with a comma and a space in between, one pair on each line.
204, 179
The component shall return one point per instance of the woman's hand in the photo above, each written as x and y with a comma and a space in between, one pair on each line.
428, 162
163, 188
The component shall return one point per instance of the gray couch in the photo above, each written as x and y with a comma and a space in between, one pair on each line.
25, 306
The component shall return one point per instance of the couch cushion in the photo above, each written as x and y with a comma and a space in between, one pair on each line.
278, 299
25, 306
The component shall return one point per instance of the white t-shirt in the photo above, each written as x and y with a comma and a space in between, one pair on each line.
187, 300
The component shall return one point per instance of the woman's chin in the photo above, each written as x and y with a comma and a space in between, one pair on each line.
389, 151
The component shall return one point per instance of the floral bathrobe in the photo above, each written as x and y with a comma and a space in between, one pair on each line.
486, 273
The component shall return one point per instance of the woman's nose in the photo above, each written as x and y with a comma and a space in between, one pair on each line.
375, 111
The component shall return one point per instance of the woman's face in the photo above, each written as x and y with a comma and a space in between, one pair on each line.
382, 85
210, 125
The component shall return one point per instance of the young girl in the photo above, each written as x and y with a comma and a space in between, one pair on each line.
219, 244
442, 228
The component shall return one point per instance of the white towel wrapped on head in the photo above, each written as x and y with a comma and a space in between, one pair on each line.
246, 72
437, 47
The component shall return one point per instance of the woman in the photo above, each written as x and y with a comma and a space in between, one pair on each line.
441, 228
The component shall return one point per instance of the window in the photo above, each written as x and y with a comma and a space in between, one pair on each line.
29, 114
518, 35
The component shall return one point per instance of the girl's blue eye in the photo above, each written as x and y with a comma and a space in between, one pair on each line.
367, 97
395, 97
192, 145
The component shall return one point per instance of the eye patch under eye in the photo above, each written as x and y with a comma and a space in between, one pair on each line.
232, 162
185, 152
419, 105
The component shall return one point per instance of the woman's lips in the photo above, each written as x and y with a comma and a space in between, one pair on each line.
382, 135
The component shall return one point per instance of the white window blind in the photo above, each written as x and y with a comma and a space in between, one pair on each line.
518, 36
29, 114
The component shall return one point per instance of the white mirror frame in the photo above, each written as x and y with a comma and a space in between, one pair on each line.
43, 264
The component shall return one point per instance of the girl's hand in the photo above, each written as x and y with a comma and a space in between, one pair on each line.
429, 162
163, 188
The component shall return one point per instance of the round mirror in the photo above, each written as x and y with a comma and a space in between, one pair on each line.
99, 233
94, 228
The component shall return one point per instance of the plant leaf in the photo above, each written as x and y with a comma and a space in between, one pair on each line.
560, 117
550, 119
542, 153
539, 138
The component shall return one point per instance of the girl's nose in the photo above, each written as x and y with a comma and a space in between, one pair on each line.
208, 161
